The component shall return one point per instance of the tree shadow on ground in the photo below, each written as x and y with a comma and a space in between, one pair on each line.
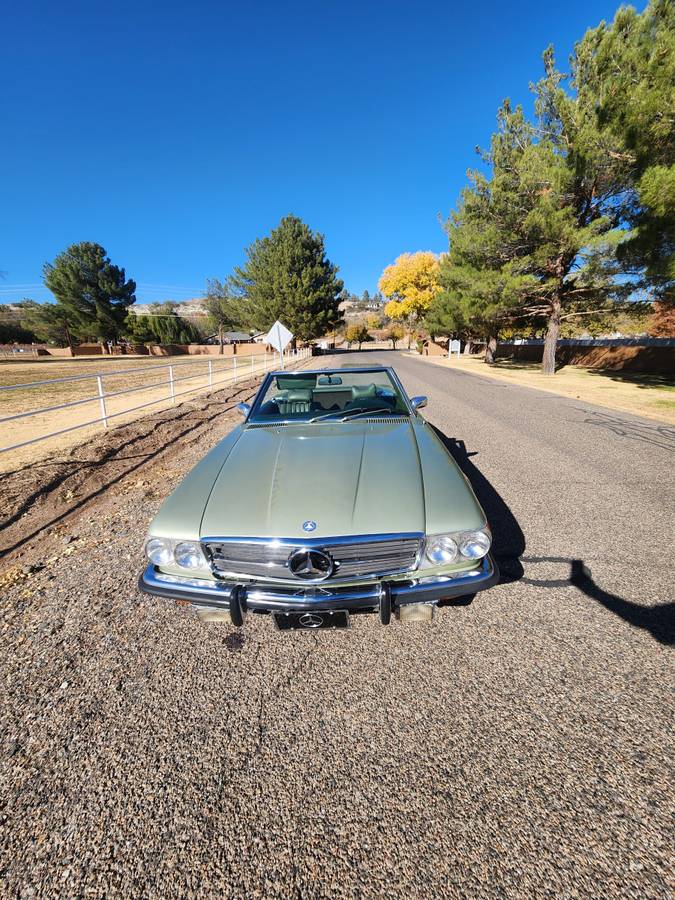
652, 433
508, 538
640, 379
507, 362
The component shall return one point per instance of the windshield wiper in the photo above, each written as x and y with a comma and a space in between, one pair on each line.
364, 410
357, 411
333, 412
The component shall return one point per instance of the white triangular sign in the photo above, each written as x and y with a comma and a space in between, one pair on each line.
279, 336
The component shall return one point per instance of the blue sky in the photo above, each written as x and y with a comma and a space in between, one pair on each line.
176, 133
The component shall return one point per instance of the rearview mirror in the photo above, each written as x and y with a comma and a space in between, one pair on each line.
419, 402
244, 409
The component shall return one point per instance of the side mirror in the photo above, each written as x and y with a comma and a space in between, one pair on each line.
419, 402
244, 409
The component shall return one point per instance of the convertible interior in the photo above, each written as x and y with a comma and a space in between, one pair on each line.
326, 394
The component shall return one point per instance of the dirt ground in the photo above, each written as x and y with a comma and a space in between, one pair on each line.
148, 378
641, 394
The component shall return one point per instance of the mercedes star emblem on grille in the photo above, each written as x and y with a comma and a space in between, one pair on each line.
311, 564
309, 525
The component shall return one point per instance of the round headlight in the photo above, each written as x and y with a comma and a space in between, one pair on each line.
441, 550
188, 555
158, 550
475, 545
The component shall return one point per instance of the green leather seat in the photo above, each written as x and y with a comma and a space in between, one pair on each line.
294, 402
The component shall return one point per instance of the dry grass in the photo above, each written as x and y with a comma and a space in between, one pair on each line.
634, 392
151, 389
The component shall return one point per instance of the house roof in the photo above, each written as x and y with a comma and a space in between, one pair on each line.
237, 336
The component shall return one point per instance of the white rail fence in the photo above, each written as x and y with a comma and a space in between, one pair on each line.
217, 371
15, 353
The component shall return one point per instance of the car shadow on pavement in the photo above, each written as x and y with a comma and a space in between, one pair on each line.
509, 546
508, 538
658, 620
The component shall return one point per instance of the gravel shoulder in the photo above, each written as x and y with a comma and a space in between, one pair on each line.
518, 746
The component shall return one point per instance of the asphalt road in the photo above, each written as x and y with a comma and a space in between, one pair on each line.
517, 746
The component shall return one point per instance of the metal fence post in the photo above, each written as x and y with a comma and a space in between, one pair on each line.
101, 400
210, 373
172, 389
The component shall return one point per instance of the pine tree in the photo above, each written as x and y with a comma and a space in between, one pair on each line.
484, 278
288, 277
541, 242
633, 61
92, 294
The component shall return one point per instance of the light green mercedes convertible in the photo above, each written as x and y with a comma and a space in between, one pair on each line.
334, 496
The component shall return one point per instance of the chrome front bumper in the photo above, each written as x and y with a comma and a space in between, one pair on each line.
278, 598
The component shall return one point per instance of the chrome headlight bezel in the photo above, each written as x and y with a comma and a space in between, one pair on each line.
189, 555
476, 544
441, 550
159, 551
168, 552
469, 546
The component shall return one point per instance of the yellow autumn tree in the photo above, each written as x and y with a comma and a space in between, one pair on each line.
411, 283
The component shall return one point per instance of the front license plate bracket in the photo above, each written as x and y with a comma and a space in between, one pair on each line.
312, 621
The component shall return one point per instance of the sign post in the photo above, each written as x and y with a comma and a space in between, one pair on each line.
279, 337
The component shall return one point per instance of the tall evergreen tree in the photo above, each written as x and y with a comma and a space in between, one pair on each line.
288, 277
574, 226
92, 293
484, 278
542, 241
634, 61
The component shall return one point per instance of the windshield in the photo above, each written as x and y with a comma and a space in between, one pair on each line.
328, 396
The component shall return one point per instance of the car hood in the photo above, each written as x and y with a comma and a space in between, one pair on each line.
348, 477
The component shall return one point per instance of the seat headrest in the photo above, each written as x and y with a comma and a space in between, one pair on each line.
297, 397
363, 390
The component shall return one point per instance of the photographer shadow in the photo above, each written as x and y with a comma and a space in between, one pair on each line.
658, 620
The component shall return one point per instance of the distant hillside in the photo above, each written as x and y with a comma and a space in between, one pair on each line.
191, 307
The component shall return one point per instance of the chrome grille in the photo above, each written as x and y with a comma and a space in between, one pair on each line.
354, 557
